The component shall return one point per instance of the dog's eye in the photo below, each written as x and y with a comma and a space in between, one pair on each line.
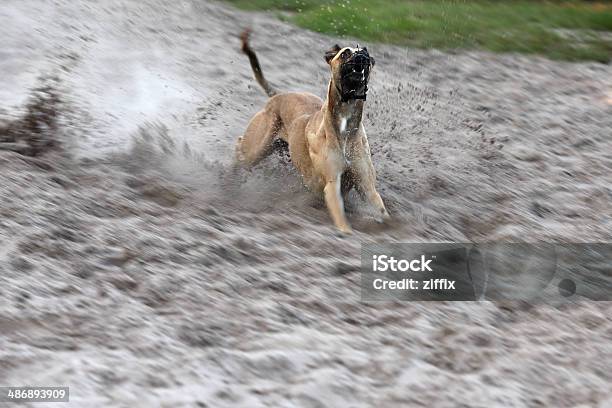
345, 54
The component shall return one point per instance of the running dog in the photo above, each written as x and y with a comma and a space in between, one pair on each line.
327, 141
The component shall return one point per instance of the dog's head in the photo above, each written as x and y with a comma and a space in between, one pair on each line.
350, 70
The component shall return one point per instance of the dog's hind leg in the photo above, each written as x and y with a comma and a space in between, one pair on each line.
257, 142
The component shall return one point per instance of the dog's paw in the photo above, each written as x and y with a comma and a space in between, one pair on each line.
344, 231
383, 216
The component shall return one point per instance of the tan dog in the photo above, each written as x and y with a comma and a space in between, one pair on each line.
327, 140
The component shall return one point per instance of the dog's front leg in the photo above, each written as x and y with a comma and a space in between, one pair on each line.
335, 205
374, 199
366, 185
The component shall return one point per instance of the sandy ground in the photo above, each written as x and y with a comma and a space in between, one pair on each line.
130, 273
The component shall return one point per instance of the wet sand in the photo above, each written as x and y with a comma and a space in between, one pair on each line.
130, 272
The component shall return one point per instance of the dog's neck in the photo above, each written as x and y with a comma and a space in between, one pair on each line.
343, 116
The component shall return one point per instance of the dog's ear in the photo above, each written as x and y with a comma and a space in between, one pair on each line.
329, 55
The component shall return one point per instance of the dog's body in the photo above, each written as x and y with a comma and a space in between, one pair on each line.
327, 140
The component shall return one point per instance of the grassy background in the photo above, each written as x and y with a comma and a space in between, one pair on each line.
567, 30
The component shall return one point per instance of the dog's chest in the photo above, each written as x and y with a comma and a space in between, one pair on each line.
348, 117
346, 129
347, 126
343, 122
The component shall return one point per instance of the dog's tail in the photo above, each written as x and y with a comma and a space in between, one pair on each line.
246, 48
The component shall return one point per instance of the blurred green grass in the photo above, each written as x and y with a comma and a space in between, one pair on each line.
562, 30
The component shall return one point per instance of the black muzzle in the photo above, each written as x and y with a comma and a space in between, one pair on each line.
354, 76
